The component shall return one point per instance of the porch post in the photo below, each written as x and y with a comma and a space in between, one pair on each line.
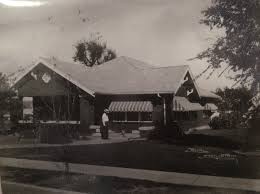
1, 192
86, 113
164, 112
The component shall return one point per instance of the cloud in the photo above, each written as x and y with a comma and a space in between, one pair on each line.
14, 3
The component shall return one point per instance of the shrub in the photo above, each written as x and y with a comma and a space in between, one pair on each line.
171, 131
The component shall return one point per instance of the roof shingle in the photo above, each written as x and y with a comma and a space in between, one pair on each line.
123, 75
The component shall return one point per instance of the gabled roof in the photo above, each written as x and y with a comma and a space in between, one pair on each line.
210, 106
183, 104
63, 69
122, 75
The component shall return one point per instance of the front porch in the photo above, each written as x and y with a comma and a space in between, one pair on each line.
51, 101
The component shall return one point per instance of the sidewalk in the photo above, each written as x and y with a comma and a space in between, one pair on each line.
149, 175
91, 140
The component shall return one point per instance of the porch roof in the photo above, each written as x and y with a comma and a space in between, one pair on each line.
208, 94
183, 104
210, 106
131, 106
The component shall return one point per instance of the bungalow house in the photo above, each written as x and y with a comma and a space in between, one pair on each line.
136, 93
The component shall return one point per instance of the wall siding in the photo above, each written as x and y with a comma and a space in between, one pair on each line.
30, 86
86, 114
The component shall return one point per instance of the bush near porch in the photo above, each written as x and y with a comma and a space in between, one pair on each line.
51, 133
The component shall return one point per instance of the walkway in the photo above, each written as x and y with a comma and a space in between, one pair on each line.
91, 140
150, 175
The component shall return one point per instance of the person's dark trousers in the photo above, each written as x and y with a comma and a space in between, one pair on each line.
102, 129
106, 131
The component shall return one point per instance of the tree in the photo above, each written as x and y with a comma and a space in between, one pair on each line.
8, 102
234, 104
6, 95
239, 46
93, 52
234, 99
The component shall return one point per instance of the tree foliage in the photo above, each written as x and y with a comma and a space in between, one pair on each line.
93, 52
234, 99
239, 45
7, 101
5, 94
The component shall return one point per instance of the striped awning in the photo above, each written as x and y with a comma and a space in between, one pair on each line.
210, 106
183, 104
131, 106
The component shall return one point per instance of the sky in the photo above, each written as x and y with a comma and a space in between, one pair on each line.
160, 32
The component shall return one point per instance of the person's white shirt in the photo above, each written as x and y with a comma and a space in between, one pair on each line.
105, 119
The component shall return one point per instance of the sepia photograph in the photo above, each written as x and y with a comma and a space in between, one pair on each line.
129, 96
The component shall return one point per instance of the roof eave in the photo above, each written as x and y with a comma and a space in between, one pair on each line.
134, 93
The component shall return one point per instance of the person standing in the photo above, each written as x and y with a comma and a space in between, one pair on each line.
105, 121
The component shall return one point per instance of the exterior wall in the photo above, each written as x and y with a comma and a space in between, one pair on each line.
158, 114
189, 119
193, 97
86, 114
30, 86
187, 116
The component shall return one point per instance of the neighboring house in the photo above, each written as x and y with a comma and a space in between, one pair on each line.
136, 93
208, 97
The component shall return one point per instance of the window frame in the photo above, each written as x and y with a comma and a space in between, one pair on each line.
127, 121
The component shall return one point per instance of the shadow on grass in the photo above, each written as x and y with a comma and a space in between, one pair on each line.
206, 140
173, 134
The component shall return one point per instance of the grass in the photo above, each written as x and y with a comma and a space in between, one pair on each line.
144, 155
102, 184
212, 141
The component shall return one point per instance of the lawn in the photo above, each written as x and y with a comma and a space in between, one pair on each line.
103, 185
195, 153
149, 155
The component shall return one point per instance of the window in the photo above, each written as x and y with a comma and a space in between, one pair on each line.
27, 102
132, 116
118, 116
27, 108
146, 116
